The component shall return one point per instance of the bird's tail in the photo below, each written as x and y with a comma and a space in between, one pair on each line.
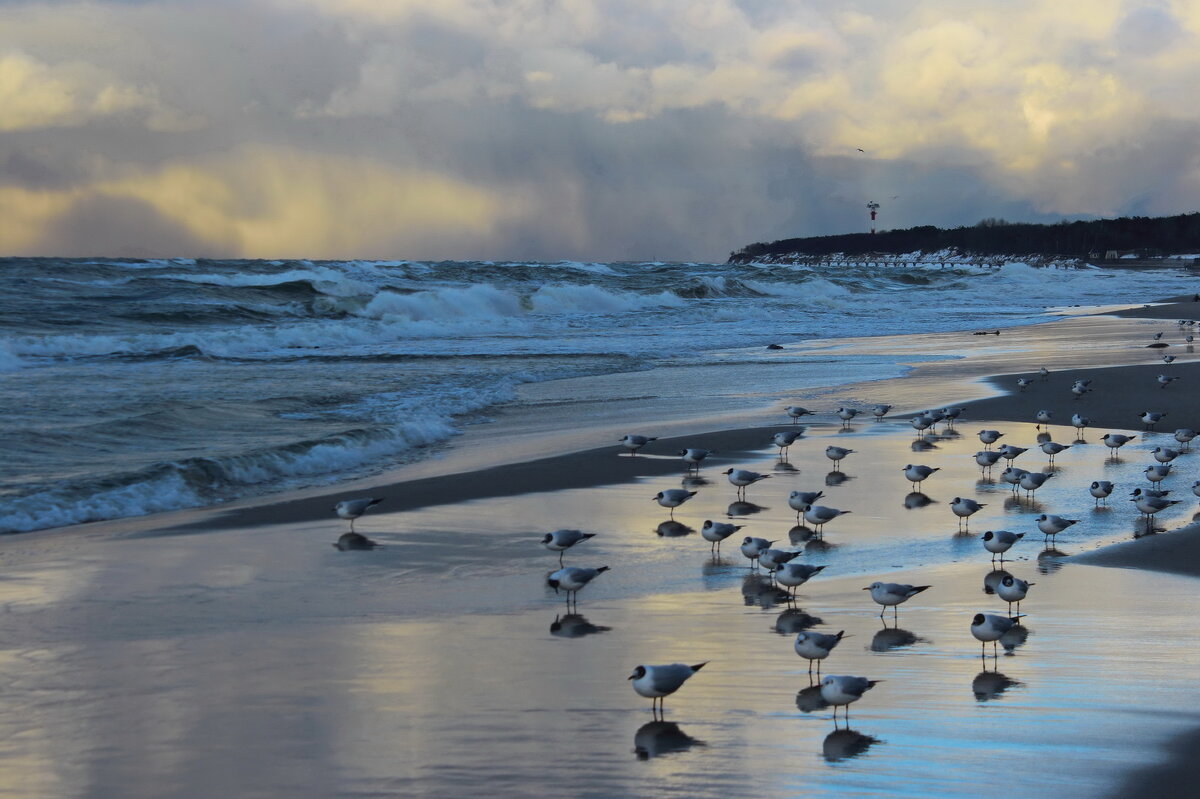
699, 666
602, 569
375, 501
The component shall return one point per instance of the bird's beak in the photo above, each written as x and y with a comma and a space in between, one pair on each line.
868, 588
630, 677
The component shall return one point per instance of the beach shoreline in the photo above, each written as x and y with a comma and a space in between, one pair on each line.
440, 518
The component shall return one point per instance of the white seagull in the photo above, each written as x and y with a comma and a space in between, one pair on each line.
840, 690
989, 437
353, 508
1052, 525
1000, 541
798, 500
1013, 589
963, 507
672, 498
990, 627
880, 411
819, 515
693, 456
561, 540
917, 473
1100, 489
893, 594
716, 532
1114, 441
742, 478
795, 412
572, 579
633, 442
835, 454
816, 647
656, 682
753, 547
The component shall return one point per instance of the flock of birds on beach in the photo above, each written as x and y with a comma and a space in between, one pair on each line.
656, 682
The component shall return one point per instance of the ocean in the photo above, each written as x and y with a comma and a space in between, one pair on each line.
131, 387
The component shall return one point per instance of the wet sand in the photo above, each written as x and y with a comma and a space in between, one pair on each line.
240, 652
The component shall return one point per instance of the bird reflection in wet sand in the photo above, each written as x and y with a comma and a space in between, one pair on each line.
1015, 638
757, 589
673, 529
795, 620
574, 625
915, 500
657, 738
836, 478
349, 541
694, 481
989, 685
1050, 560
784, 466
743, 508
846, 743
890, 638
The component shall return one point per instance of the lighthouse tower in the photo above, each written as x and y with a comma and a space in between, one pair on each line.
873, 207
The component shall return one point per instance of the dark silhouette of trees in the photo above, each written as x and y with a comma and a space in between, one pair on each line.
1147, 236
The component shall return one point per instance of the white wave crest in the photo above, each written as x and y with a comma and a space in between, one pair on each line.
323, 279
481, 301
571, 299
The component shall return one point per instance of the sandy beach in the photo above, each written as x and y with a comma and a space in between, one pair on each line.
236, 650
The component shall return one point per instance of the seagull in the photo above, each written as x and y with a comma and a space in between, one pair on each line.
692, 456
1114, 441
798, 499
920, 423
794, 575
816, 646
989, 437
742, 478
835, 454
951, 414
353, 508
572, 578
1184, 436
819, 515
917, 473
1100, 489
1082, 382
1164, 454
753, 547
716, 532
1044, 372
963, 507
561, 540
999, 542
786, 439
1012, 475
1151, 418
1157, 472
846, 414
1032, 481
1166, 380
1158, 335
987, 458
1150, 506
893, 594
840, 690
880, 411
1080, 422
656, 682
1051, 525
1168, 359
1053, 448
1010, 452
673, 497
1043, 417
772, 559
1013, 589
1079, 389
1149, 492
989, 627
795, 412
1024, 382
633, 442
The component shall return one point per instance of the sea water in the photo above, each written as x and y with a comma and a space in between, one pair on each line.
130, 387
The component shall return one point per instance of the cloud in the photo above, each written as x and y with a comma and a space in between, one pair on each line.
588, 128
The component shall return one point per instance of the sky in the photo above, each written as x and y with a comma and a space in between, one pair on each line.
593, 130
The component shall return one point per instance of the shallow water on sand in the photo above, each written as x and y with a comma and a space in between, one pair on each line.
258, 662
